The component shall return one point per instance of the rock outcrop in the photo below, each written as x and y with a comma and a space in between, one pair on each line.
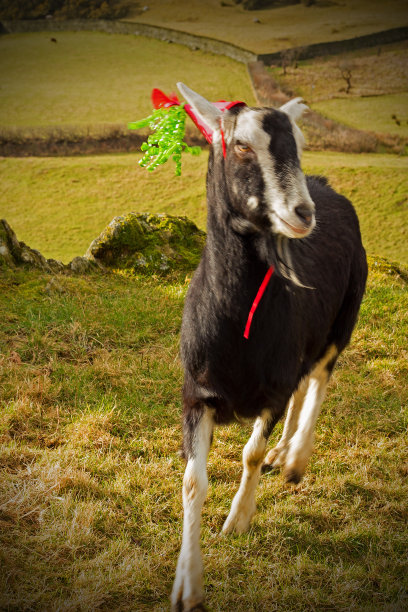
14, 253
147, 243
137, 243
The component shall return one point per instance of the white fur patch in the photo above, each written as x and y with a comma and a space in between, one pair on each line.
301, 442
188, 583
253, 202
281, 202
294, 110
243, 505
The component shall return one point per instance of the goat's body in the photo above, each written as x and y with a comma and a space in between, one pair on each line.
293, 326
262, 213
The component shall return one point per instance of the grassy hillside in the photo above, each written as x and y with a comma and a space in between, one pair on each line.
385, 114
90, 79
377, 100
276, 28
90, 494
83, 194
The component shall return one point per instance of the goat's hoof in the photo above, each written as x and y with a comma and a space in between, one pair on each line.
179, 606
235, 525
293, 476
197, 608
275, 459
186, 596
267, 468
238, 523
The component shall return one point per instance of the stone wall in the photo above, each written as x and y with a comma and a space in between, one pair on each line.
126, 27
340, 46
203, 43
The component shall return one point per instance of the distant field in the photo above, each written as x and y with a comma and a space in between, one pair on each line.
59, 205
92, 79
276, 28
378, 97
372, 114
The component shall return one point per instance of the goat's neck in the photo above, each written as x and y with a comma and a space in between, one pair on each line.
233, 254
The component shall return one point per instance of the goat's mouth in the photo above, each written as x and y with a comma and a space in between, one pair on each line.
297, 231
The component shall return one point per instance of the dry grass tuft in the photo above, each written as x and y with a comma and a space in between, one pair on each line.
94, 431
95, 521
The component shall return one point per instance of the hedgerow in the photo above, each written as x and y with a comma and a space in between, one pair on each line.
63, 9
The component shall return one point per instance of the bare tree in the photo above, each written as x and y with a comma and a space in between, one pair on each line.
346, 67
290, 57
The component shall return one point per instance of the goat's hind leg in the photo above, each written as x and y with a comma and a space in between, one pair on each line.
243, 506
188, 591
301, 442
276, 457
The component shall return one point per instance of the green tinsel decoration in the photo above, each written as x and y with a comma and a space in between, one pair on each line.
168, 125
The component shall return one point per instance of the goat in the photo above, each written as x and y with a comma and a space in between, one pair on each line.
264, 216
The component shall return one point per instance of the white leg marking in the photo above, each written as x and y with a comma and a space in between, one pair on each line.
301, 443
277, 456
243, 506
188, 583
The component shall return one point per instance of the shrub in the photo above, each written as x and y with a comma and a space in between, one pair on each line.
64, 9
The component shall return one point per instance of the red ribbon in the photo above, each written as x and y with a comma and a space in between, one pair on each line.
257, 299
224, 148
160, 99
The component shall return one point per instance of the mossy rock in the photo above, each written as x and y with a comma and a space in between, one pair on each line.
14, 253
393, 268
147, 243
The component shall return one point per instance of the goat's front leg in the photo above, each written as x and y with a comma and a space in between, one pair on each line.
243, 506
188, 591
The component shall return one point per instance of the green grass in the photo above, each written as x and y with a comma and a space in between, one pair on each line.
279, 28
359, 113
379, 87
90, 494
83, 194
91, 79
90, 489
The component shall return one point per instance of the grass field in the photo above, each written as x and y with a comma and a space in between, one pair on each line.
83, 194
359, 113
90, 486
379, 88
90, 493
89, 79
278, 28
91, 84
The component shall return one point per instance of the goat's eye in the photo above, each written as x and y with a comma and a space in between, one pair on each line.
243, 150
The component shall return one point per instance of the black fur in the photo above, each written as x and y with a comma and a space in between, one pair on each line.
293, 326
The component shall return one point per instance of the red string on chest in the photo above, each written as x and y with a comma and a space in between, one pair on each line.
257, 299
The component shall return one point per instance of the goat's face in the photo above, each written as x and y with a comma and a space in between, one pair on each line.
267, 188
266, 185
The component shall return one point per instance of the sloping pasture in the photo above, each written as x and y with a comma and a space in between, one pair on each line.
90, 487
88, 80
378, 80
83, 194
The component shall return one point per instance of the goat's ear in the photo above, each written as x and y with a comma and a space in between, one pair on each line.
295, 109
209, 113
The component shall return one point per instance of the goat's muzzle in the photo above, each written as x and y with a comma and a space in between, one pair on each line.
305, 214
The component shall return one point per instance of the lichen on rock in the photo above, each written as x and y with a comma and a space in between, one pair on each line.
148, 243
137, 243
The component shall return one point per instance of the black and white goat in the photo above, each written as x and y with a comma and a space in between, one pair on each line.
263, 214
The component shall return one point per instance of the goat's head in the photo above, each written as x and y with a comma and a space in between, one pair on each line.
267, 189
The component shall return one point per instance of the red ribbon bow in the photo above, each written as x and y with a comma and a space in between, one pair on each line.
160, 100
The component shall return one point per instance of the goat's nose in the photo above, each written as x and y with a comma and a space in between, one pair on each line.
305, 213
